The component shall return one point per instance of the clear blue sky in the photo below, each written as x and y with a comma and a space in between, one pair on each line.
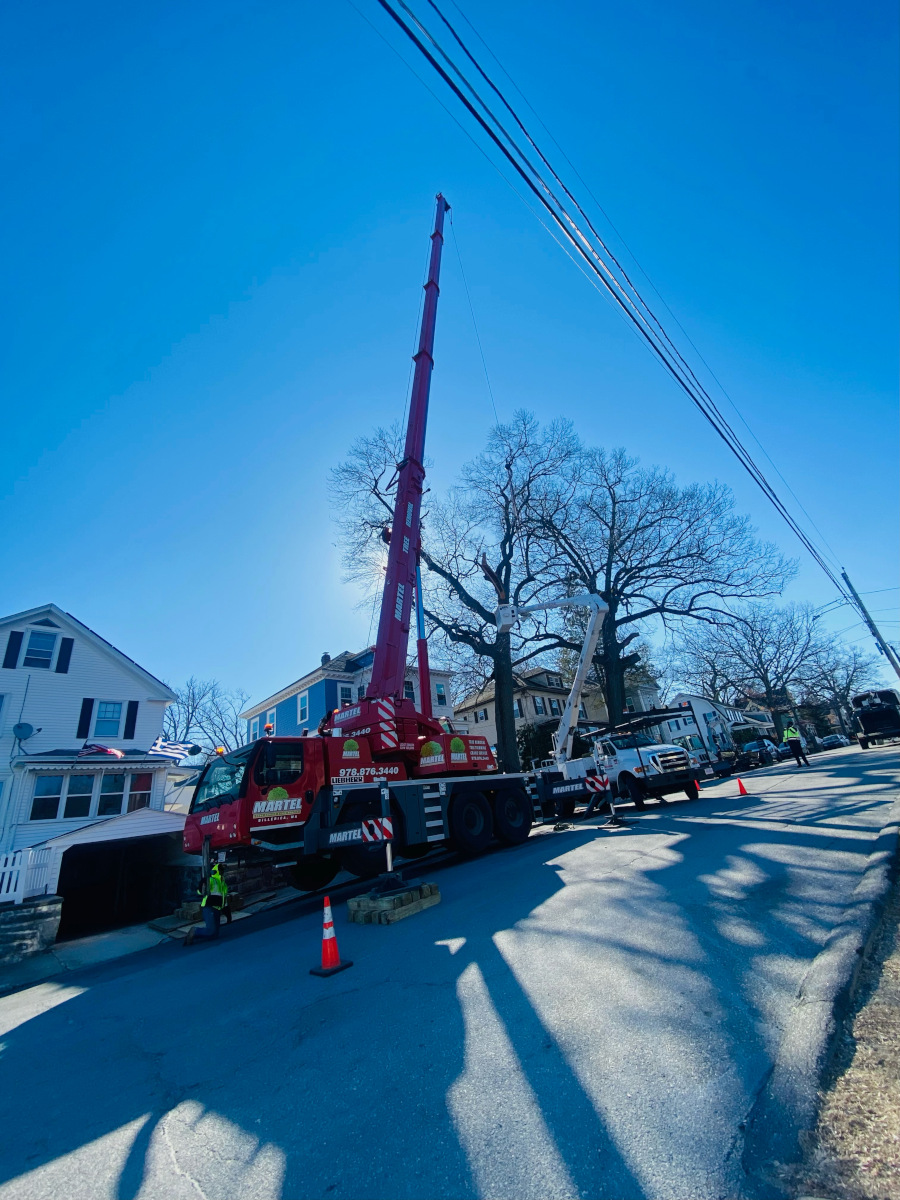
215, 219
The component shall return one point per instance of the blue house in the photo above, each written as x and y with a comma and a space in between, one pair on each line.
335, 683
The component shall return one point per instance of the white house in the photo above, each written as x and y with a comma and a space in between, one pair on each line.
715, 723
61, 686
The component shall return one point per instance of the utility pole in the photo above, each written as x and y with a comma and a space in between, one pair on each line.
873, 628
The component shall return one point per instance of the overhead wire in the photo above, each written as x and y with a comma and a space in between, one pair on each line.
825, 543
623, 293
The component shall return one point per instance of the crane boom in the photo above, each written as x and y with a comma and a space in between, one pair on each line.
389, 665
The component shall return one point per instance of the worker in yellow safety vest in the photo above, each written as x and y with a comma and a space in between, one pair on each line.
213, 905
794, 744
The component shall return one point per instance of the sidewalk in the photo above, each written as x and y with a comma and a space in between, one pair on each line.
118, 943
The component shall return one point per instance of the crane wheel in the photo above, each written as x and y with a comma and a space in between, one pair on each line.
471, 823
513, 815
314, 874
692, 791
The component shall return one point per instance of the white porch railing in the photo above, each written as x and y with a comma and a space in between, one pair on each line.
24, 873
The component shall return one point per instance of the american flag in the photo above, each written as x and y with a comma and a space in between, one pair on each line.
174, 750
94, 748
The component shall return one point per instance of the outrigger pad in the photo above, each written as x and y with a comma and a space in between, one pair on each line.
324, 971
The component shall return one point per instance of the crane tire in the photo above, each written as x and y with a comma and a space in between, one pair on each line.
315, 873
513, 815
471, 823
692, 791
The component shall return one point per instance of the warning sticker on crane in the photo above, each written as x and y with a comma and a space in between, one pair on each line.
377, 829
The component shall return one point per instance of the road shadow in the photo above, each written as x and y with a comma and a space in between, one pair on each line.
480, 1049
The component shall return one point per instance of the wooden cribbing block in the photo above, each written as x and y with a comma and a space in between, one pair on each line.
392, 906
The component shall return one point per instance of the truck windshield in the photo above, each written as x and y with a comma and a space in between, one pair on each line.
222, 777
632, 741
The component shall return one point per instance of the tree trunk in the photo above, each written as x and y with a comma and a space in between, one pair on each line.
613, 673
507, 749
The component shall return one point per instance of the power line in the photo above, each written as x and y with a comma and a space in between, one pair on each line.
622, 289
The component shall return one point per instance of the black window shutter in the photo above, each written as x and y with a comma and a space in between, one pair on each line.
84, 721
65, 656
13, 646
130, 719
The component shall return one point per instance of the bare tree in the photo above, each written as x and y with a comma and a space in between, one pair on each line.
476, 545
694, 660
206, 713
650, 548
181, 722
762, 650
834, 675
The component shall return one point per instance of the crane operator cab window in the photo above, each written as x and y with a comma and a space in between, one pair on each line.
222, 780
279, 764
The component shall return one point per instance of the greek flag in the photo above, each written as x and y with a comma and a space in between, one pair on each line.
173, 750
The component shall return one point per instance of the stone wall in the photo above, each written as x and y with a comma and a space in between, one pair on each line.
28, 928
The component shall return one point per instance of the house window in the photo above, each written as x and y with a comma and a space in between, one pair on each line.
629, 706
554, 706
39, 652
270, 720
254, 729
483, 715
554, 681
360, 692
519, 708
346, 696
582, 711
139, 791
539, 706
112, 793
109, 714
408, 690
441, 693
303, 708
78, 796
47, 793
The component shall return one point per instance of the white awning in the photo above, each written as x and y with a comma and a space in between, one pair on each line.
143, 822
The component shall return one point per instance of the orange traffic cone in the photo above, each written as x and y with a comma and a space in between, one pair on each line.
331, 960
742, 791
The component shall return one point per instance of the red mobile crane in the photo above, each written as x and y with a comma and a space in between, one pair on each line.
378, 770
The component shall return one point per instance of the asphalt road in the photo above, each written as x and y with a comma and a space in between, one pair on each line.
589, 1015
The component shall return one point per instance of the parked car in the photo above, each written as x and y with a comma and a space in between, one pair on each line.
831, 741
760, 753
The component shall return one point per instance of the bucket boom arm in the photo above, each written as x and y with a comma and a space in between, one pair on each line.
509, 615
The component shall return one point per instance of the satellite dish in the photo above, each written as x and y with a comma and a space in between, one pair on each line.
23, 731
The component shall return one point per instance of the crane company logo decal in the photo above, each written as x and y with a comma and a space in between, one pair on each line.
478, 750
209, 820
278, 793
347, 714
458, 750
341, 836
351, 748
566, 787
277, 806
432, 755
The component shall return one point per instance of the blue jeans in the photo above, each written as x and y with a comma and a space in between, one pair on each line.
211, 919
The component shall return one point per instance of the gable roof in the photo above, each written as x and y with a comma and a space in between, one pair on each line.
44, 612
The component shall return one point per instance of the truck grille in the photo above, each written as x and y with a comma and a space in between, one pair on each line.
670, 760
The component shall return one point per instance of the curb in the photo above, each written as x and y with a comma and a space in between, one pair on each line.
788, 1101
